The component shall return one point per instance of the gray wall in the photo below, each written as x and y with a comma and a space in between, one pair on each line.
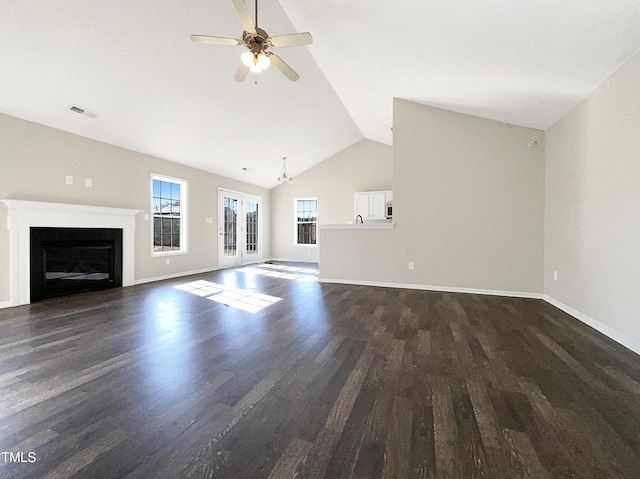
365, 166
34, 160
470, 199
468, 203
592, 218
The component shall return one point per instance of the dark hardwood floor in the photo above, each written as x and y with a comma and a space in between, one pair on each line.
292, 378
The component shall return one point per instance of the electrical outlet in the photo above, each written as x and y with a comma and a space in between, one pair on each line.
88, 182
555, 276
411, 265
167, 260
146, 216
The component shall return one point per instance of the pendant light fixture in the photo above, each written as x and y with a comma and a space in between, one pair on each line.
284, 176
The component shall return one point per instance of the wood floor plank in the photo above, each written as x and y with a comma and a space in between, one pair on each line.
346, 453
332, 381
290, 460
524, 462
398, 444
444, 429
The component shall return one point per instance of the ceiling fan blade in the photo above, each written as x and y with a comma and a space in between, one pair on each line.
242, 72
216, 40
243, 15
286, 70
292, 40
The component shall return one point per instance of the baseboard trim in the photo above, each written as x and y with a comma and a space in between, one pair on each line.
176, 275
443, 289
6, 304
608, 331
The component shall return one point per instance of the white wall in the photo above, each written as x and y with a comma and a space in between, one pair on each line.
468, 203
592, 204
34, 160
365, 166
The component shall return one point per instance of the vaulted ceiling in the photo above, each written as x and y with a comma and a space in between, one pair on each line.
156, 92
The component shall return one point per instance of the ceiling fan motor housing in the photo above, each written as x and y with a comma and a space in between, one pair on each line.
256, 43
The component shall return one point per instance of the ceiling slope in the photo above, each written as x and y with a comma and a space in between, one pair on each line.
526, 63
158, 93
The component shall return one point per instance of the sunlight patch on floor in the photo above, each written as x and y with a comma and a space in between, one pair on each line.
292, 269
276, 271
243, 299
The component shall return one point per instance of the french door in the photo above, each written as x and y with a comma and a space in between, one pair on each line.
239, 228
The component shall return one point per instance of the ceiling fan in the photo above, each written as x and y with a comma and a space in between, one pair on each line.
258, 58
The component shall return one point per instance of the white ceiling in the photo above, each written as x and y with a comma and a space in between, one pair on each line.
154, 91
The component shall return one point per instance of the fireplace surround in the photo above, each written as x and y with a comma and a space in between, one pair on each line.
22, 216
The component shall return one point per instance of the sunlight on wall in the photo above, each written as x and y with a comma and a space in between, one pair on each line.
243, 299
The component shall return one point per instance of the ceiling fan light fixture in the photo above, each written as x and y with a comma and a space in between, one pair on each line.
255, 61
247, 59
263, 61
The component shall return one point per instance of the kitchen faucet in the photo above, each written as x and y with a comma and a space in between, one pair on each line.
361, 220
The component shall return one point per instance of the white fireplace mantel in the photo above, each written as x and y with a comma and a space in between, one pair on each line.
22, 215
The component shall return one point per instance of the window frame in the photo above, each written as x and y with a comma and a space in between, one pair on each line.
296, 222
184, 208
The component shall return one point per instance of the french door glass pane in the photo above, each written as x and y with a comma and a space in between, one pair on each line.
230, 227
252, 227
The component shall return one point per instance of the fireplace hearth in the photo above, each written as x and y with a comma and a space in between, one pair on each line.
74, 260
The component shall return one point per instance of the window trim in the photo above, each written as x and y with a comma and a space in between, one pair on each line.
184, 217
295, 222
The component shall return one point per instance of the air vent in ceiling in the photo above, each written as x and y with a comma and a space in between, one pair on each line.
82, 111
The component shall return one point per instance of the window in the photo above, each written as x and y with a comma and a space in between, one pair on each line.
168, 205
306, 211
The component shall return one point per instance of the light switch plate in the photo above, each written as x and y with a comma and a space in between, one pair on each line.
68, 179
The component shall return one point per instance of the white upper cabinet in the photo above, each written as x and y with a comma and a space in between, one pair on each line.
362, 205
378, 205
372, 205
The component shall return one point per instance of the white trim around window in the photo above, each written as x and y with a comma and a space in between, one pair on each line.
307, 210
171, 206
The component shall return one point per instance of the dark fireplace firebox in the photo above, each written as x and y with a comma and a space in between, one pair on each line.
74, 260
